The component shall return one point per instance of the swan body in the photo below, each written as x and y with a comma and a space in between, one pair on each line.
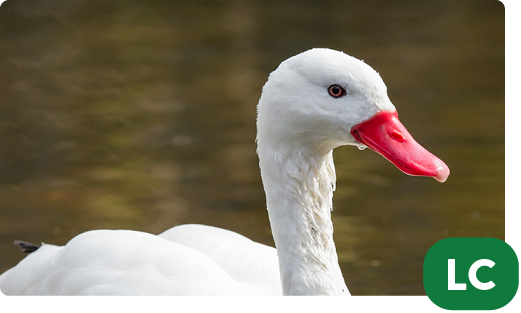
184, 260
311, 104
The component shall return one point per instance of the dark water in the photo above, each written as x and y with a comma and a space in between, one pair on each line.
141, 115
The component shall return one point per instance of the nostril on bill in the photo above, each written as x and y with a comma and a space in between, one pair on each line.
397, 136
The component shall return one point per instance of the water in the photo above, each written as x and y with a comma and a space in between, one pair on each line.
141, 115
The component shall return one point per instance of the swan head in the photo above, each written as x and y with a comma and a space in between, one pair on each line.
322, 98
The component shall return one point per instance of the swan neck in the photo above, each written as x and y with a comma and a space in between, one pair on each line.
299, 184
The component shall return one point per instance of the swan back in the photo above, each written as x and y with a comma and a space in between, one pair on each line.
124, 262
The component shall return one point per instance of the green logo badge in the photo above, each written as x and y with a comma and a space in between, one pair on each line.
471, 273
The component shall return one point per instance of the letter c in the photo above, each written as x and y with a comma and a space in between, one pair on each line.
472, 274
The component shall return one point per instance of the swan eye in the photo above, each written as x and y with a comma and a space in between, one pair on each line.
336, 91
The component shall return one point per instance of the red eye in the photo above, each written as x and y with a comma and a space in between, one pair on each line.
336, 91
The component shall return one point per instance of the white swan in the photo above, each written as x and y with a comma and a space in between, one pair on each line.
311, 104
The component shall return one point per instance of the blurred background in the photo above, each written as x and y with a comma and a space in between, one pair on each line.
141, 115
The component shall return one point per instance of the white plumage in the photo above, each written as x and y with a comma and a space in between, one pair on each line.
185, 260
300, 121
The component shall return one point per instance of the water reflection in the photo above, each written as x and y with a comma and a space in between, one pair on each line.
141, 115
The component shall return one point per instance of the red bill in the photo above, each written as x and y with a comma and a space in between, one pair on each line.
385, 134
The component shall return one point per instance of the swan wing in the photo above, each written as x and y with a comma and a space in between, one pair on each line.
249, 263
119, 262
